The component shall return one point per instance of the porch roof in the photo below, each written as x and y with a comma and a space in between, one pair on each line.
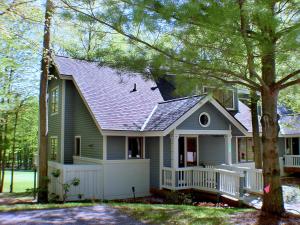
167, 112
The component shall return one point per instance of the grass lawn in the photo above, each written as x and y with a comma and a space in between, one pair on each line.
177, 214
22, 180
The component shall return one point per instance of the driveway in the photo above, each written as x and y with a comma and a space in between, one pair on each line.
78, 215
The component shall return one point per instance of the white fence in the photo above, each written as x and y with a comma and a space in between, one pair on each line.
206, 179
292, 161
90, 177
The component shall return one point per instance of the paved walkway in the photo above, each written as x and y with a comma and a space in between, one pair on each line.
291, 197
79, 215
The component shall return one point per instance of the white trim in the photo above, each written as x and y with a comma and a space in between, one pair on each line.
203, 132
236, 150
161, 159
62, 141
75, 146
149, 117
208, 117
228, 148
104, 148
132, 133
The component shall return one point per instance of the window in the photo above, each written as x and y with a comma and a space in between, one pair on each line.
135, 147
224, 96
54, 101
245, 150
292, 146
77, 146
53, 147
204, 119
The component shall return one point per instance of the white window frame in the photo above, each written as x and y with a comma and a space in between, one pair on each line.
126, 147
51, 153
227, 89
51, 100
209, 120
75, 146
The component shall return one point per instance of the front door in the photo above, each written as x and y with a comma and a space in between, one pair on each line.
191, 151
181, 151
295, 146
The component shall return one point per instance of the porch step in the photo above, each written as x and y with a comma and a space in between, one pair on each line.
229, 200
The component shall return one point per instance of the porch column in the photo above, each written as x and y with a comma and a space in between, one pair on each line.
161, 160
174, 146
174, 157
228, 147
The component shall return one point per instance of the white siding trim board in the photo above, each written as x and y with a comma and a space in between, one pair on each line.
62, 141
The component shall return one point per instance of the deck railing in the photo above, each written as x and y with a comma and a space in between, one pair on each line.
206, 179
292, 161
253, 177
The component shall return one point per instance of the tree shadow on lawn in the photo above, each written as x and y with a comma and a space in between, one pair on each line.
177, 214
258, 218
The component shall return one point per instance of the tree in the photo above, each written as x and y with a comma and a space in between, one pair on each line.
203, 39
43, 137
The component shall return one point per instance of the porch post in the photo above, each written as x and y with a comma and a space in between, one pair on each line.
174, 156
161, 160
228, 147
175, 151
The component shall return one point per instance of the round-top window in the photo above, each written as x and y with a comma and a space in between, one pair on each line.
204, 119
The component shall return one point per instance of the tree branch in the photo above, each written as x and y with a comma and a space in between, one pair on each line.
286, 78
290, 83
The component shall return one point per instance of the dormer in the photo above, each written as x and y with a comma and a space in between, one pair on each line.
225, 96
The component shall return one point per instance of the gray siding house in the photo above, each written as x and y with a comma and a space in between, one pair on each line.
117, 133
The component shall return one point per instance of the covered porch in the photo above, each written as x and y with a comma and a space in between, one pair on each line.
202, 160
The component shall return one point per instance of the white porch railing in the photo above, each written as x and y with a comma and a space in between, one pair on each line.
292, 161
253, 177
206, 179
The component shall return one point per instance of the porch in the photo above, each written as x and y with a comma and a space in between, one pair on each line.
223, 179
291, 163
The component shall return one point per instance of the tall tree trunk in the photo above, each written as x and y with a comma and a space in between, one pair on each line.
272, 198
43, 136
252, 72
255, 131
13, 152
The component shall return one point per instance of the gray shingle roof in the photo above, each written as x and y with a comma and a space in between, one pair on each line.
289, 124
166, 113
107, 93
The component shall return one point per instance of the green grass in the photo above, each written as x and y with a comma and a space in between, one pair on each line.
36, 206
177, 214
22, 180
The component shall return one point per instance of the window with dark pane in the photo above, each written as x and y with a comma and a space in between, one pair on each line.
53, 148
135, 147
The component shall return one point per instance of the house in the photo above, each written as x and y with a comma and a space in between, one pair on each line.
117, 134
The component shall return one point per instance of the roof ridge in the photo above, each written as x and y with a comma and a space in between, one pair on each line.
68, 57
182, 98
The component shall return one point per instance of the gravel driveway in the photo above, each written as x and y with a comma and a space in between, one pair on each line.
78, 215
